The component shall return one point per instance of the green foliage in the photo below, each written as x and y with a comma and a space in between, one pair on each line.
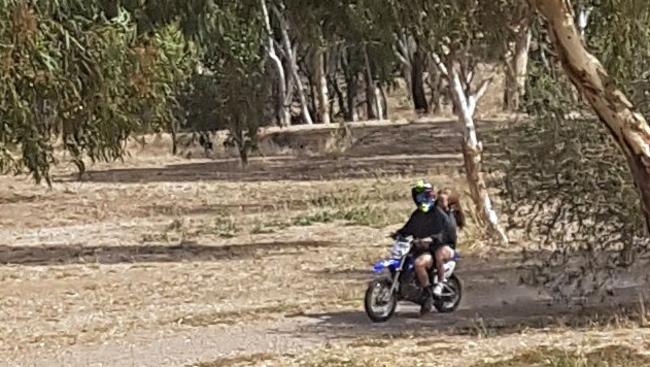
619, 34
71, 74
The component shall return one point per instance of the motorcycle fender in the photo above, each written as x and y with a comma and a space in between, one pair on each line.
385, 264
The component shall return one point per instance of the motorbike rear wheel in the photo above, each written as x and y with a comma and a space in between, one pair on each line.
450, 303
379, 304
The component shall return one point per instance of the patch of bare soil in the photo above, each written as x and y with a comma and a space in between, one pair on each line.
150, 263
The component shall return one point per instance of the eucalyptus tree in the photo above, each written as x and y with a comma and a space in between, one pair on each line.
72, 73
627, 127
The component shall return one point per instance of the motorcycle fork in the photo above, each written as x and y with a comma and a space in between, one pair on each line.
395, 284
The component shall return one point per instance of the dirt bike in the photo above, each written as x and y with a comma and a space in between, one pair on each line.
398, 282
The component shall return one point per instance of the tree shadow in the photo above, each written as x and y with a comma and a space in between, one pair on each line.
277, 169
66, 254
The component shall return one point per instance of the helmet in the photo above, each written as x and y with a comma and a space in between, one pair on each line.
423, 196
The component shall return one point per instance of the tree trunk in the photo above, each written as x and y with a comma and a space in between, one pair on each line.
340, 97
384, 102
351, 81
404, 55
371, 105
352, 99
583, 18
293, 65
436, 87
321, 85
628, 128
312, 97
282, 109
417, 81
465, 103
517, 70
174, 130
378, 103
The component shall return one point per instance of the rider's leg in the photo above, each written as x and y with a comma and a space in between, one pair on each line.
423, 263
443, 254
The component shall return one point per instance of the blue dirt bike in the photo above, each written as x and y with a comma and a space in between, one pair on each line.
397, 282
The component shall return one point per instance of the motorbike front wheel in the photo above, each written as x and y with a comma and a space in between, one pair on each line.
379, 303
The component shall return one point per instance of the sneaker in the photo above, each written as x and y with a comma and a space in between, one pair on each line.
437, 290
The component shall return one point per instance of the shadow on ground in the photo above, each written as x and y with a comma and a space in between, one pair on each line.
474, 319
186, 251
279, 168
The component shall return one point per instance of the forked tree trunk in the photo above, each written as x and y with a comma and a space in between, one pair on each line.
627, 127
466, 103
517, 70
282, 109
321, 86
293, 65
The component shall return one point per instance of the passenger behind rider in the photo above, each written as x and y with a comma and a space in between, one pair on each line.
429, 221
444, 246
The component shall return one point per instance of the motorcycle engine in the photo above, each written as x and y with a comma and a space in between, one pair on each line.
409, 288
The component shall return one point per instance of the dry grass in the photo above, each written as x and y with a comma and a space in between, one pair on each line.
608, 356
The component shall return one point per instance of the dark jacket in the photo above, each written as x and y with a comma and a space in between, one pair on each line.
434, 224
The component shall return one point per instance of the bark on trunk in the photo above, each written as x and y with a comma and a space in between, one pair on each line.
417, 82
282, 109
517, 70
627, 127
321, 86
293, 66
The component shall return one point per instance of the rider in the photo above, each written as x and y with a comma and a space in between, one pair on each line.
428, 221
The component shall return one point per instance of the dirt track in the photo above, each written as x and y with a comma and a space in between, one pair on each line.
166, 262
